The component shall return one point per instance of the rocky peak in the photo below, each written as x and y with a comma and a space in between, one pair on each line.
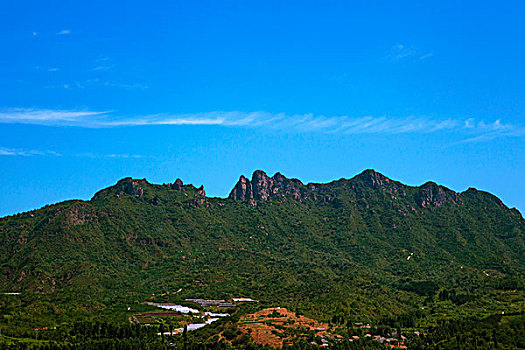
177, 185
201, 191
126, 186
242, 190
433, 195
262, 187
130, 186
373, 178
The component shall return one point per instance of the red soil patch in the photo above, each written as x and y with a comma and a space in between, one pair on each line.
278, 326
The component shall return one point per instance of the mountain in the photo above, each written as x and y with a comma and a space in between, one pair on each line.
367, 246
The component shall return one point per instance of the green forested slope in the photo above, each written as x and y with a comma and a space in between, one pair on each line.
367, 247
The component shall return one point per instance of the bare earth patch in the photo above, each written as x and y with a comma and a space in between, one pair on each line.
278, 326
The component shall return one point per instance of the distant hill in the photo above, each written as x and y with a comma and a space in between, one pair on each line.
366, 246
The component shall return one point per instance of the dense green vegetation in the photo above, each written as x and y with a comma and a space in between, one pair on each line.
360, 250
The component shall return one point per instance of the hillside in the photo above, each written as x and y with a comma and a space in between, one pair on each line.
362, 248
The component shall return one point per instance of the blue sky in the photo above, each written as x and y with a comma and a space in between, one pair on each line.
206, 91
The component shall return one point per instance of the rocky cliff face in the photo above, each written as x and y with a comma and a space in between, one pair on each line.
262, 188
433, 195
178, 185
243, 190
374, 179
131, 187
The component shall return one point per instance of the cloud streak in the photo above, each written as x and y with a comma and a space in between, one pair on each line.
5, 151
52, 117
468, 130
88, 83
18, 152
400, 52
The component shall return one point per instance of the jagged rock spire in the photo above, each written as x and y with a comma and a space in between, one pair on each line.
242, 190
262, 187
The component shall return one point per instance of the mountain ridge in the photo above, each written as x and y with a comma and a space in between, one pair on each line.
432, 193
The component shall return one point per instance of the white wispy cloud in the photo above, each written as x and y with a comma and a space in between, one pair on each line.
126, 156
52, 117
468, 130
64, 32
130, 86
400, 52
102, 68
88, 83
482, 131
14, 152
5, 151
111, 155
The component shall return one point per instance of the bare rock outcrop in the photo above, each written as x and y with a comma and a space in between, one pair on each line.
374, 179
131, 187
177, 185
201, 191
243, 190
433, 195
263, 188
